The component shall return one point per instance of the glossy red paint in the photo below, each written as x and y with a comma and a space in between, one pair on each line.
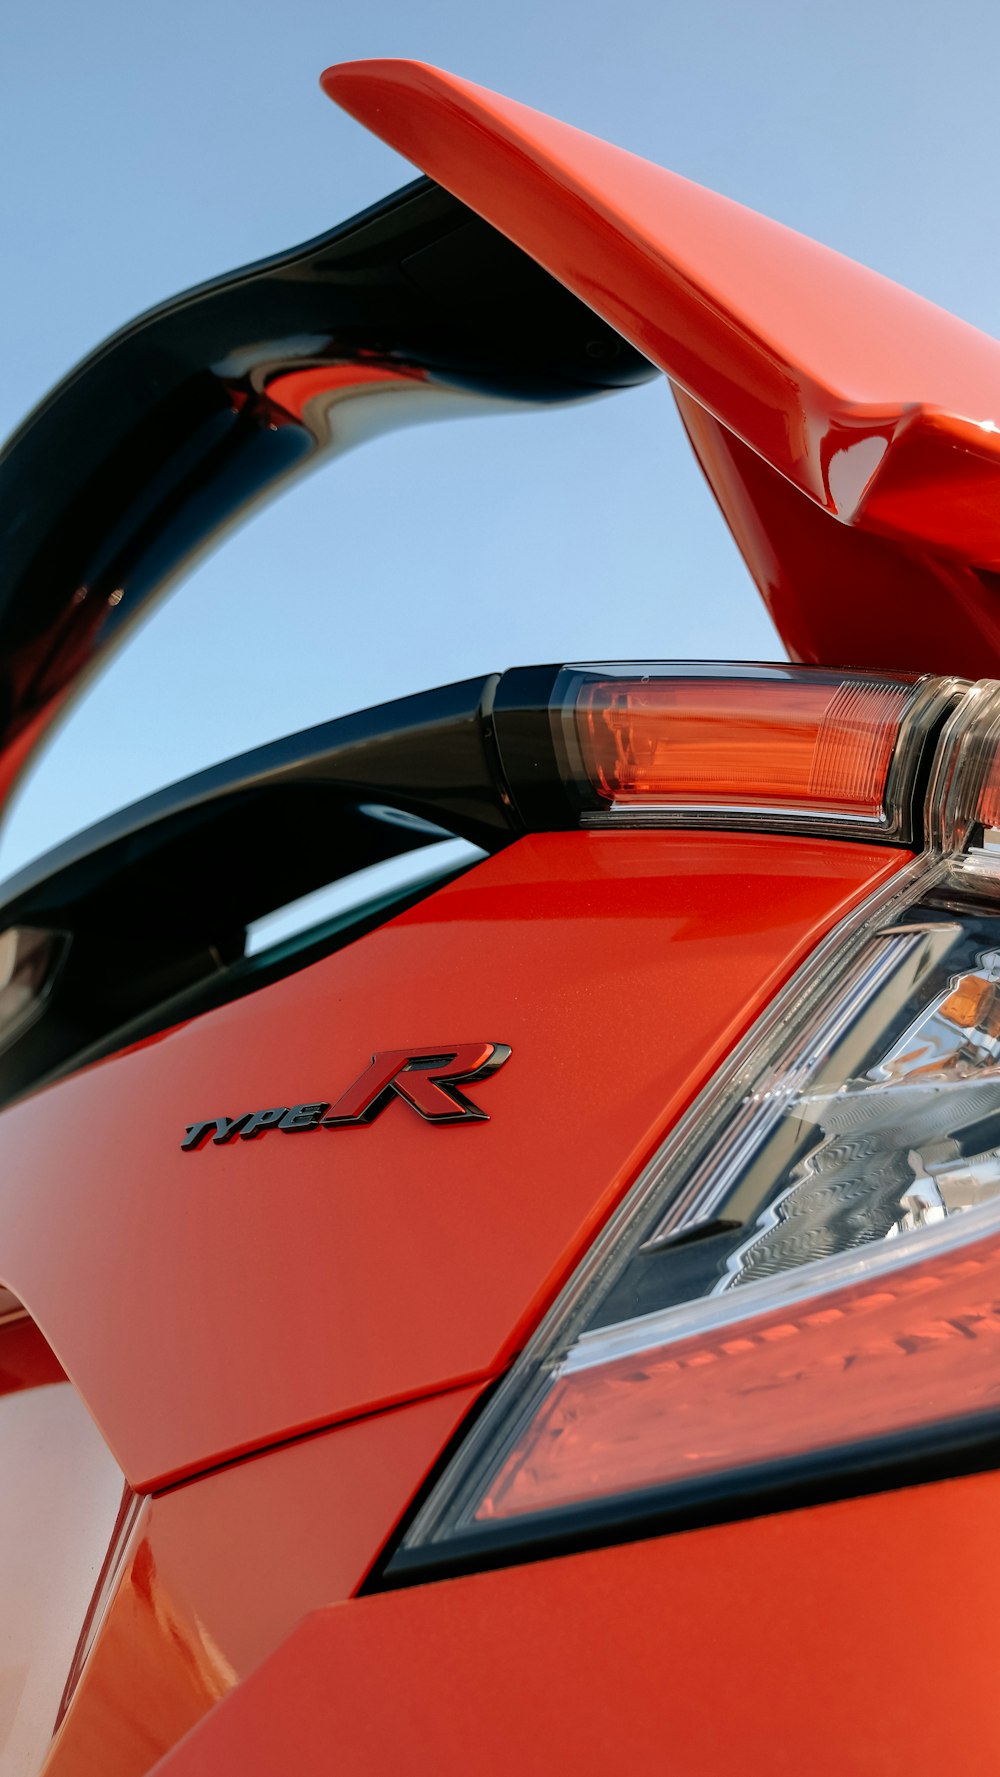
216, 1574
837, 591
207, 1303
774, 1648
63, 1498
850, 429
25, 1359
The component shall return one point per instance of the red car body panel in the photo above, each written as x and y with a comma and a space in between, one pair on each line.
873, 404
64, 1501
309, 1280
763, 1647
214, 1576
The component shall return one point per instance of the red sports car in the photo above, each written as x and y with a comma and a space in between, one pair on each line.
623, 1345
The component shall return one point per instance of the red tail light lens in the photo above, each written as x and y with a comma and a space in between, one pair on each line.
875, 1358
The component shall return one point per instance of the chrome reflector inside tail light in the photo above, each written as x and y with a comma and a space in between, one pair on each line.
805, 1279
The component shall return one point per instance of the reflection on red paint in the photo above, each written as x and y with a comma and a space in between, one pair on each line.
296, 388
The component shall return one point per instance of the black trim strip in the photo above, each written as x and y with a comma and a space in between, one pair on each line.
220, 849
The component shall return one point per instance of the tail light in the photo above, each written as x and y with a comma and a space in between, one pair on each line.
681, 743
805, 1280
964, 799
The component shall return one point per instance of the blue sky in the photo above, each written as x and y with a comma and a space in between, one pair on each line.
148, 147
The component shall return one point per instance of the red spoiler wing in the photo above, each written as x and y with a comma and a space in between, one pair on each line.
849, 429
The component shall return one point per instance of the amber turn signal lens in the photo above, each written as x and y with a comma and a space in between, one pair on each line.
809, 743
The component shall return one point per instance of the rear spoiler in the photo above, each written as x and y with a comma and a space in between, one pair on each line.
177, 426
850, 431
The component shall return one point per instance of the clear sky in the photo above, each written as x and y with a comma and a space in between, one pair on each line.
147, 147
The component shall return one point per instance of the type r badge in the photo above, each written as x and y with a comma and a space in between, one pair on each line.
427, 1079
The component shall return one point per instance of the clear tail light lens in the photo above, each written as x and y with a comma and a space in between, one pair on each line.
768, 746
806, 1277
689, 742
963, 801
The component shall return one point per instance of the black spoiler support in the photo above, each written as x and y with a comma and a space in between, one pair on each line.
177, 426
154, 900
